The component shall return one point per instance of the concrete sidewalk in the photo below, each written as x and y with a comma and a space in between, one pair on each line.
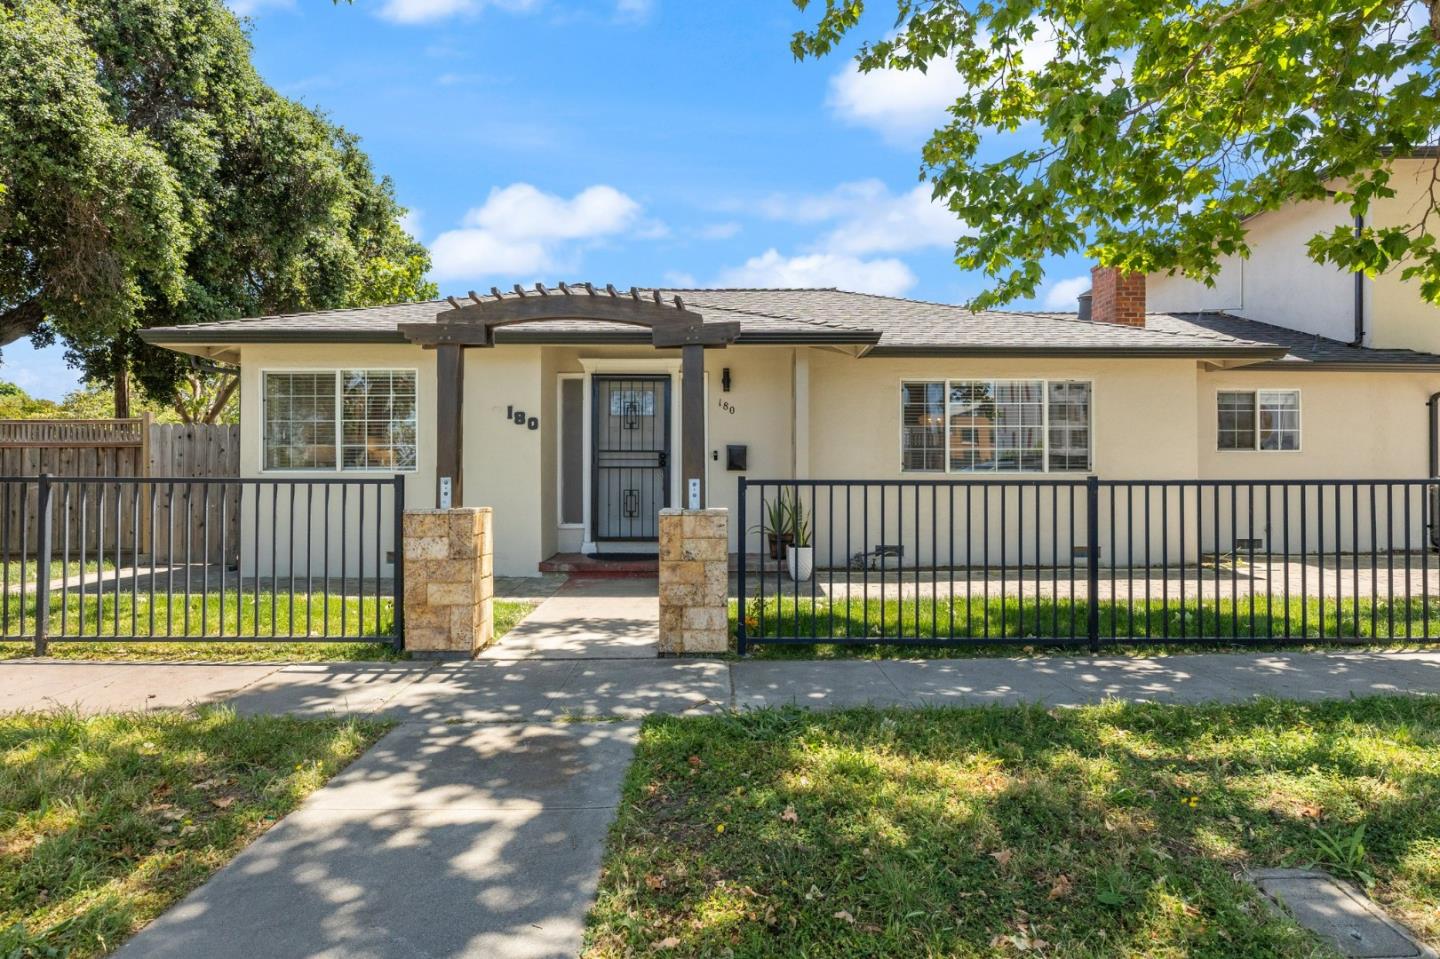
543, 690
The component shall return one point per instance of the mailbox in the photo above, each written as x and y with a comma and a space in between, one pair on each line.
736, 455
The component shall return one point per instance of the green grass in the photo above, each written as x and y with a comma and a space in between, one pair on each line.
11, 571
247, 617
1107, 831
1039, 623
106, 821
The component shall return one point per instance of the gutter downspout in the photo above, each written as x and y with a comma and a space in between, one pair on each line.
1360, 302
1433, 492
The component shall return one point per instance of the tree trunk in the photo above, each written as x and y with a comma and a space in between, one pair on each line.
122, 392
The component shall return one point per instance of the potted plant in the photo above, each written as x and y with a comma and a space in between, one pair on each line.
778, 523
800, 551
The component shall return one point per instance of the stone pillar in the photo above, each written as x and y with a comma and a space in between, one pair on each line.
449, 581
694, 581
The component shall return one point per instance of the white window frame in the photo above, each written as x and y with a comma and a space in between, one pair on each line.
1257, 448
560, 379
1044, 382
335, 372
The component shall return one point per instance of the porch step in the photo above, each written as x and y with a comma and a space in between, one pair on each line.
602, 566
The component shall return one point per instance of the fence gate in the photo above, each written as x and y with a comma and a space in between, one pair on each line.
1085, 561
187, 559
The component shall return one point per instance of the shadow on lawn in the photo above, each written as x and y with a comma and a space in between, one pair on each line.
1111, 830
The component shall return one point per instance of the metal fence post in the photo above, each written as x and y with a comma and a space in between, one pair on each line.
740, 639
397, 571
42, 565
1092, 561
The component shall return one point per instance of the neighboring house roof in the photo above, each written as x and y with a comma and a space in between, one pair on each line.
880, 325
1303, 350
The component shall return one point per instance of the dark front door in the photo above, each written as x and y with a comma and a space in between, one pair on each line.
631, 442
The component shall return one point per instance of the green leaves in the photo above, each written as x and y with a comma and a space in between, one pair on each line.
1149, 132
150, 177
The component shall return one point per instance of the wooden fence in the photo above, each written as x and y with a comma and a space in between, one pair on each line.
126, 447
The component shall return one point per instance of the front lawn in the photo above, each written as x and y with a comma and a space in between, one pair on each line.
1108, 831
204, 620
979, 624
107, 821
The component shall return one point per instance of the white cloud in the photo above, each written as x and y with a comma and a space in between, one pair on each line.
892, 224
679, 279
410, 223
522, 231
906, 105
888, 277
719, 231
522, 211
423, 11
1062, 293
634, 11
903, 105
869, 218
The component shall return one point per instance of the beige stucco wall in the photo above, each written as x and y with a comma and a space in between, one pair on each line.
1280, 284
1370, 425
1151, 420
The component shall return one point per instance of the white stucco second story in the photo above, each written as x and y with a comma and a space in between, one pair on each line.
1279, 283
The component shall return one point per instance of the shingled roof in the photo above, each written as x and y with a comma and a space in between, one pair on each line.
878, 325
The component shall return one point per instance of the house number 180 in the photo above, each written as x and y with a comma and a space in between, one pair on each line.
519, 418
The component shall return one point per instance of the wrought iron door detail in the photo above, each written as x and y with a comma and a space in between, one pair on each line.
630, 442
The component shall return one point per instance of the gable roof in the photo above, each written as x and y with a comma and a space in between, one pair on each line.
879, 325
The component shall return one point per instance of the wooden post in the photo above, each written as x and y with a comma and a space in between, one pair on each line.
450, 420
692, 422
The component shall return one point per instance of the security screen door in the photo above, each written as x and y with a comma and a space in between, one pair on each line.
630, 440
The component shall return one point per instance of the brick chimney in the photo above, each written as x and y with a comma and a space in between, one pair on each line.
1117, 297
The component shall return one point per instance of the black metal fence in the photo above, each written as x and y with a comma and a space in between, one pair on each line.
156, 559
1085, 561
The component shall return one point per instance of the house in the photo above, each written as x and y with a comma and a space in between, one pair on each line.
563, 408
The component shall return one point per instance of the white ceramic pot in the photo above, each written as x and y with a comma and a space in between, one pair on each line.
801, 561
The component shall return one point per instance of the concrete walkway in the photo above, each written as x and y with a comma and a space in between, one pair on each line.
587, 619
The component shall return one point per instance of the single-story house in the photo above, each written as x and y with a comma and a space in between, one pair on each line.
563, 408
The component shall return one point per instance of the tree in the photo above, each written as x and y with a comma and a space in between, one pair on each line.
1144, 132
251, 203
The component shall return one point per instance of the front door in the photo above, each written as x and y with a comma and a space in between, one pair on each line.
630, 440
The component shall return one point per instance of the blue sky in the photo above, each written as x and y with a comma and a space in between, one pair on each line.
632, 142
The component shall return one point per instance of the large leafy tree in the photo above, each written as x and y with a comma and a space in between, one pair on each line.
151, 178
1145, 132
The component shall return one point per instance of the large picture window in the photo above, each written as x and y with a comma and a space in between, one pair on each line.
1263, 420
995, 426
351, 420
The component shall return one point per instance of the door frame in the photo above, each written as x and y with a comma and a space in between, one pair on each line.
615, 366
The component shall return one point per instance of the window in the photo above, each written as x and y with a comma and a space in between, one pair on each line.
922, 426
299, 421
995, 426
352, 420
1265, 420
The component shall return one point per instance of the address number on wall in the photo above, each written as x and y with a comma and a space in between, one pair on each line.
519, 418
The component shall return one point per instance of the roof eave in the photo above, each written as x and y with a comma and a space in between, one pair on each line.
1088, 352
177, 336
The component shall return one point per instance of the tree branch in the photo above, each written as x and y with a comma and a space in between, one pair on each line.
20, 320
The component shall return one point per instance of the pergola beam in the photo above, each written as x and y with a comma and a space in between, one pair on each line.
473, 325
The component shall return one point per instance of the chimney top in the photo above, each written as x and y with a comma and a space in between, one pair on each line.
1117, 297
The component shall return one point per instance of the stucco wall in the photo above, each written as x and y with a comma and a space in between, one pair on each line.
1353, 425
1280, 284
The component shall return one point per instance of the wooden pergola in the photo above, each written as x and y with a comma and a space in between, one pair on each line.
472, 325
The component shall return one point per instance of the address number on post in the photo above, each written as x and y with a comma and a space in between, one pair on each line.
519, 418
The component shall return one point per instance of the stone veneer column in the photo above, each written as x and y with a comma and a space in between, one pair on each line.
449, 581
694, 581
